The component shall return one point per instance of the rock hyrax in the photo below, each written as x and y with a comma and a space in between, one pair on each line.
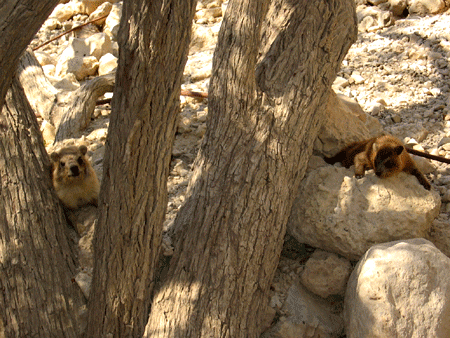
74, 179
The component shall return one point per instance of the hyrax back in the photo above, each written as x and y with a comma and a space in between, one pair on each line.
386, 155
74, 179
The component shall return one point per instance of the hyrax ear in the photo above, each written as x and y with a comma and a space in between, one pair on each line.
55, 157
375, 147
82, 149
398, 150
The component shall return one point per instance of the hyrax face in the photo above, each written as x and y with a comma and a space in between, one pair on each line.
69, 164
388, 162
75, 181
387, 157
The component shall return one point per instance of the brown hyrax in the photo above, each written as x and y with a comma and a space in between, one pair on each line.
385, 154
74, 179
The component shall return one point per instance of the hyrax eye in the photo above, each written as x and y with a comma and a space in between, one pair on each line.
62, 164
389, 164
80, 161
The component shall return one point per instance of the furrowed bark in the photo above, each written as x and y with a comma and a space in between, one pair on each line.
154, 39
264, 114
38, 296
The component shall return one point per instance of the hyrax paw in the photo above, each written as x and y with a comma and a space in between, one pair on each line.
359, 175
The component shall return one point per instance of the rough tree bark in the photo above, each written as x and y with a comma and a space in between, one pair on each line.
38, 297
153, 39
19, 22
264, 114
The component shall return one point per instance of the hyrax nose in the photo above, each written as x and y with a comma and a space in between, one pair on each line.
74, 170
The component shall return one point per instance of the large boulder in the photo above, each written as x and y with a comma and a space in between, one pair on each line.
336, 212
399, 289
346, 122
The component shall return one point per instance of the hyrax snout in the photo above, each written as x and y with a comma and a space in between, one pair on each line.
74, 179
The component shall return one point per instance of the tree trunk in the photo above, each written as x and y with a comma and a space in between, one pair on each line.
154, 39
38, 296
19, 22
264, 115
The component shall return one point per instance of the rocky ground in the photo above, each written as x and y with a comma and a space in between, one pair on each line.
397, 71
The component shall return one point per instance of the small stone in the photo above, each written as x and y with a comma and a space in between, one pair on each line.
102, 10
107, 64
357, 78
418, 147
326, 274
396, 118
444, 140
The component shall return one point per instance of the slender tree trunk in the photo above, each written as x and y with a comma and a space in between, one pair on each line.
19, 22
264, 114
38, 297
153, 39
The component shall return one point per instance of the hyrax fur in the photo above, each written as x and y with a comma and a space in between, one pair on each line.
74, 179
386, 155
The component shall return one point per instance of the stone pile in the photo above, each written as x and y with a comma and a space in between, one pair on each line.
394, 79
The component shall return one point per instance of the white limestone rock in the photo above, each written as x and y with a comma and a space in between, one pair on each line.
76, 48
44, 58
107, 64
64, 12
440, 235
90, 6
113, 21
373, 18
338, 213
99, 45
67, 83
326, 274
101, 11
423, 7
399, 289
345, 123
79, 56
81, 67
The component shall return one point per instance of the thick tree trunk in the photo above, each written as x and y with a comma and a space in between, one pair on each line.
38, 297
265, 113
154, 39
19, 22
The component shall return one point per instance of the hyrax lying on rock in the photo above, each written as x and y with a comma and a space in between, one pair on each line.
74, 179
386, 155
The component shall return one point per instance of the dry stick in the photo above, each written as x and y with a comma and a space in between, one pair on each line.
67, 32
426, 155
184, 92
